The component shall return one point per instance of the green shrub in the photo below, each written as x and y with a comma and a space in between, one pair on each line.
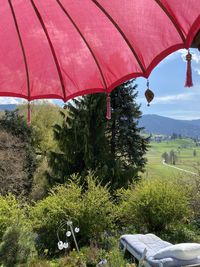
73, 260
115, 258
180, 233
92, 255
97, 212
9, 212
17, 245
39, 263
9, 247
46, 216
91, 208
193, 186
26, 243
153, 205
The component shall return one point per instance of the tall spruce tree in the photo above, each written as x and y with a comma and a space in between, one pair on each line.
114, 149
81, 139
127, 145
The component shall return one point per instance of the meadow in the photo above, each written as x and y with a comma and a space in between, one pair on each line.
184, 150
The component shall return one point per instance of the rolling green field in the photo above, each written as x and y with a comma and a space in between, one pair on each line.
183, 148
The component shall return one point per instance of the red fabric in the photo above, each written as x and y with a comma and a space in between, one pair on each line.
66, 48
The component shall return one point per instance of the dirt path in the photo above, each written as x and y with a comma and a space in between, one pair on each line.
171, 166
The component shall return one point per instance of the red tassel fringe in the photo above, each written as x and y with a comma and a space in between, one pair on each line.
188, 82
29, 114
108, 112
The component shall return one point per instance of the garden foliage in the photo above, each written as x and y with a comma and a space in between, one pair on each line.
153, 205
90, 208
17, 241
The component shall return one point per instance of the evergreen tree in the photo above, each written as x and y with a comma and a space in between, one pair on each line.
81, 139
86, 140
127, 145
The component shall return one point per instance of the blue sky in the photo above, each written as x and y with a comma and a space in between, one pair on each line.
167, 81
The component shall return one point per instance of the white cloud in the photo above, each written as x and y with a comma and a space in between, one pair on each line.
185, 116
169, 58
194, 52
167, 99
197, 70
10, 100
195, 58
181, 114
175, 98
43, 101
183, 53
18, 101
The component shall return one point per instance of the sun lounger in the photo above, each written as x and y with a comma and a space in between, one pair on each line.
151, 251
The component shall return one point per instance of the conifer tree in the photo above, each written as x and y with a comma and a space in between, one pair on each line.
114, 149
81, 139
127, 145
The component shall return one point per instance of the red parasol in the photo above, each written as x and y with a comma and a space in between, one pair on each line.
66, 48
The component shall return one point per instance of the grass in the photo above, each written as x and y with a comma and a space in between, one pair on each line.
183, 148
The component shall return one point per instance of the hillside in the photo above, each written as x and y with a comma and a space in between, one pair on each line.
7, 107
162, 125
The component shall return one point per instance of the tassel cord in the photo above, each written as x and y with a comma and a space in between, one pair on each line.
188, 82
108, 104
29, 114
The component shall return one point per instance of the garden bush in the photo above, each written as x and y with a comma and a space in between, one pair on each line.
98, 211
193, 186
90, 208
181, 233
46, 216
17, 245
9, 247
16, 236
9, 212
153, 205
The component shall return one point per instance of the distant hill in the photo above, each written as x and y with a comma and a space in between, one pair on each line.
8, 107
162, 125
194, 122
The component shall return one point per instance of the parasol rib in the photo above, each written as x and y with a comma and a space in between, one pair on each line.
85, 41
173, 20
22, 48
122, 34
51, 47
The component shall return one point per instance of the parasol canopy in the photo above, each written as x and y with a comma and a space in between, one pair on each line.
66, 48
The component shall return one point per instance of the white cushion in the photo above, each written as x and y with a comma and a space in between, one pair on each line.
185, 251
